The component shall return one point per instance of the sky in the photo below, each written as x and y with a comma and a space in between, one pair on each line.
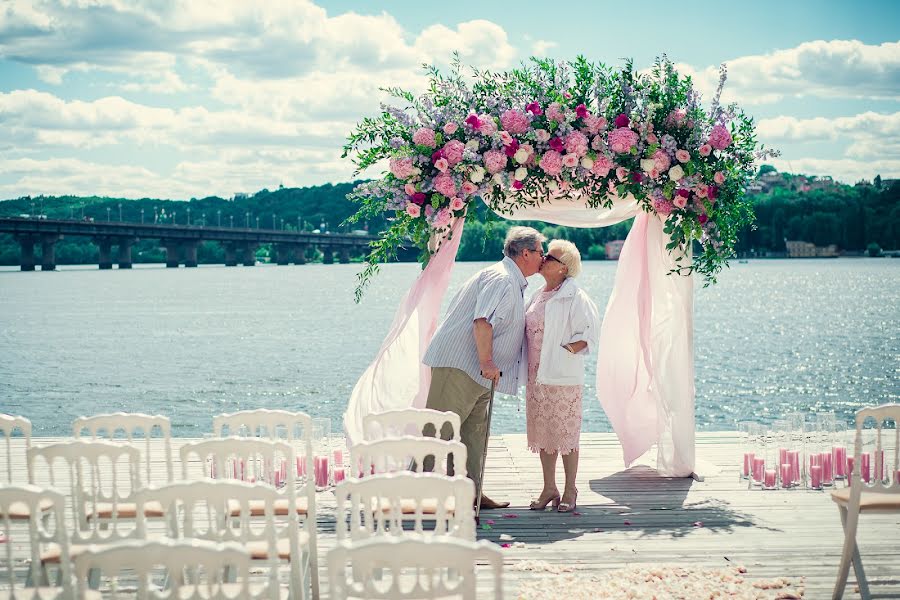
190, 98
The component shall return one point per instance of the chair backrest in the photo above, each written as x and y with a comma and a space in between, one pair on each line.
412, 421
405, 453
407, 568
880, 463
102, 478
382, 504
194, 569
9, 424
130, 428
44, 510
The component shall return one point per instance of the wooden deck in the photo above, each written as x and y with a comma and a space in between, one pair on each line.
634, 517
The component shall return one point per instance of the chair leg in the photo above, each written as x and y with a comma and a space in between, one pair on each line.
849, 555
94, 579
844, 568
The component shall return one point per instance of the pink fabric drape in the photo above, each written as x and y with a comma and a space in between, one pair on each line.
397, 378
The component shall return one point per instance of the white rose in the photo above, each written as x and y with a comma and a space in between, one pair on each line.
648, 164
498, 178
472, 144
477, 175
521, 173
416, 172
553, 186
587, 162
675, 173
520, 156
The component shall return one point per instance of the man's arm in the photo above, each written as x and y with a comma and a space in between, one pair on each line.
484, 342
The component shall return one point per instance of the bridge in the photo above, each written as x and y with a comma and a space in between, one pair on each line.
180, 242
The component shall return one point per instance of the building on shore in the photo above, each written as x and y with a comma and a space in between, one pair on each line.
799, 249
614, 249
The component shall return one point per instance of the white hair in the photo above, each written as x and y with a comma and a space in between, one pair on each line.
521, 238
570, 256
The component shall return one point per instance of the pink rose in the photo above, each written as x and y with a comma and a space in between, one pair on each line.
653, 173
602, 166
542, 135
514, 121
551, 163
450, 128
441, 164
719, 177
577, 143
705, 150
719, 137
506, 138
662, 160
567, 95
682, 156
570, 161
401, 168
679, 201
424, 137
594, 125
555, 113
622, 120
529, 150
494, 161
597, 143
622, 140
413, 210
651, 138
621, 173
443, 184
442, 218
701, 189
662, 207
468, 188
457, 203
410, 189
487, 126
712, 193
453, 151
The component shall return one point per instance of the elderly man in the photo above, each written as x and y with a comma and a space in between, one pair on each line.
481, 341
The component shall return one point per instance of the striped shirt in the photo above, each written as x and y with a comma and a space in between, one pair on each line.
497, 295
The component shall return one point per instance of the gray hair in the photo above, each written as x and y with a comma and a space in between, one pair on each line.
521, 238
570, 256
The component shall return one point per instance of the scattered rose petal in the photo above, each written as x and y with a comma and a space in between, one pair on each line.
490, 522
576, 514
510, 516
627, 522
506, 545
698, 523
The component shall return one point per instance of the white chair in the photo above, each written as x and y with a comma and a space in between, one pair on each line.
382, 504
258, 461
186, 570
405, 454
132, 428
44, 510
9, 424
408, 568
881, 495
412, 421
102, 478
220, 511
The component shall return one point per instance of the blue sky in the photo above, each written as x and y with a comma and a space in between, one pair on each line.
182, 98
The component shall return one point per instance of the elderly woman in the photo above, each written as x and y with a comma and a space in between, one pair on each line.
561, 327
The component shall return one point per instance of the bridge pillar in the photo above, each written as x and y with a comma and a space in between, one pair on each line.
105, 246
48, 252
327, 255
230, 255
285, 254
190, 253
248, 254
345, 255
173, 251
125, 252
300, 254
27, 244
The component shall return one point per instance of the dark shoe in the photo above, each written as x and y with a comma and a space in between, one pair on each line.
488, 504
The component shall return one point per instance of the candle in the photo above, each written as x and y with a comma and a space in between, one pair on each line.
827, 471
786, 475
748, 464
770, 478
794, 459
339, 474
301, 465
839, 458
321, 471
865, 466
759, 466
782, 456
815, 477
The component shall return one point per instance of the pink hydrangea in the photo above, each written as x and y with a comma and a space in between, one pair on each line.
442, 218
457, 203
469, 188
719, 137
443, 184
622, 140
555, 113
676, 117
413, 210
495, 161
594, 125
450, 128
602, 166
705, 150
487, 126
719, 177
683, 156
577, 143
402, 168
424, 137
453, 151
570, 161
551, 162
663, 207
662, 160
514, 121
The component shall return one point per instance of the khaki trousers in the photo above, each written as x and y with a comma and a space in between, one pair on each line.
452, 389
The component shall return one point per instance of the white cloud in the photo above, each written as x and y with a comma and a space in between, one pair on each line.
540, 48
846, 170
865, 125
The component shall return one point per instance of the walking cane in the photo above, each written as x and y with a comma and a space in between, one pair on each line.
487, 435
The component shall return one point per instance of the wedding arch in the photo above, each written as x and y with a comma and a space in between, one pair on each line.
575, 144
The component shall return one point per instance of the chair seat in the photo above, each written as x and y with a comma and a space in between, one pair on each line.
51, 553
19, 511
231, 590
868, 501
126, 510
259, 550
41, 593
408, 505
258, 507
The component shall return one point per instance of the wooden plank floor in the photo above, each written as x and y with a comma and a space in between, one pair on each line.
634, 517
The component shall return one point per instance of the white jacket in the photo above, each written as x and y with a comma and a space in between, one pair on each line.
570, 316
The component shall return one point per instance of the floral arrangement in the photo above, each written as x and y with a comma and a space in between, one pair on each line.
575, 130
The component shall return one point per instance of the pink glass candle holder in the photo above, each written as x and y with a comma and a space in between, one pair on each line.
759, 468
338, 457
787, 480
748, 465
769, 479
827, 469
339, 475
865, 466
301, 465
839, 461
320, 468
815, 477
793, 457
